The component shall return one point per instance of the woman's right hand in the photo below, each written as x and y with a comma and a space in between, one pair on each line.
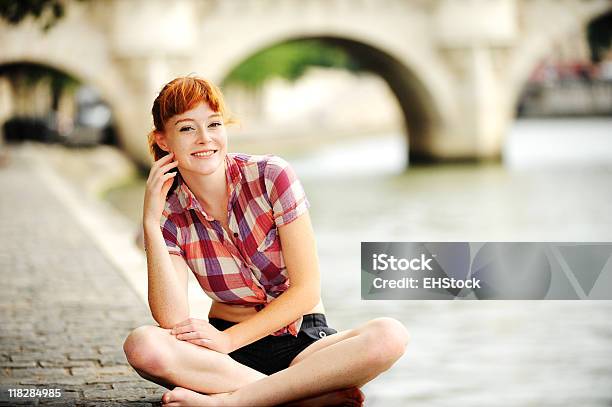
157, 187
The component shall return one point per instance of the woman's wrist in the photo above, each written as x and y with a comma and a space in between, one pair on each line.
230, 340
150, 225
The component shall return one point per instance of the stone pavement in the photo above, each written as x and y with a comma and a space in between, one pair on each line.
64, 309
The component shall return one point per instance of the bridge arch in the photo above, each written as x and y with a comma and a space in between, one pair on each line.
46, 75
74, 71
86, 57
417, 84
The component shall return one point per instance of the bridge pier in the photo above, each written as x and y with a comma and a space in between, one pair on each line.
481, 115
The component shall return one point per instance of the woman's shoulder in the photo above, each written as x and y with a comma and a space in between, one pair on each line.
266, 164
246, 159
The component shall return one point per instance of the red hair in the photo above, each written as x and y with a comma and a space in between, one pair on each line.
178, 96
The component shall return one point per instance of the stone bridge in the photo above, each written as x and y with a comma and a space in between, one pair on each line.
457, 67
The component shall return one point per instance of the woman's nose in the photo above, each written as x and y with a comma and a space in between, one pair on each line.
204, 136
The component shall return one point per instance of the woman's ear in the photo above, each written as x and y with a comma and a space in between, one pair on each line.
160, 139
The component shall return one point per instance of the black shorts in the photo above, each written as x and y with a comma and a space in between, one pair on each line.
273, 353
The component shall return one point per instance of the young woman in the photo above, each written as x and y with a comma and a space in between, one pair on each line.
240, 223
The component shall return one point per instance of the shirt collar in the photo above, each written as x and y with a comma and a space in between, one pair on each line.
233, 176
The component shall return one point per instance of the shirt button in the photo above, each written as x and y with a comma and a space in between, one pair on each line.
322, 334
235, 234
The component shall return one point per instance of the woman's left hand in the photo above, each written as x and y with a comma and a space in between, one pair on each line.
202, 333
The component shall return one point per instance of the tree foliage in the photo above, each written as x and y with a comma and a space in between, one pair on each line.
48, 12
290, 61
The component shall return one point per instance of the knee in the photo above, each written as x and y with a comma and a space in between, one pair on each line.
387, 339
146, 350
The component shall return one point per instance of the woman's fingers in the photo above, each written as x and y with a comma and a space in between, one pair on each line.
158, 180
157, 187
159, 163
168, 157
159, 171
167, 183
167, 180
192, 325
168, 175
167, 167
192, 335
188, 321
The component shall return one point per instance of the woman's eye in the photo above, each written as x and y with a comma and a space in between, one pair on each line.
215, 124
186, 128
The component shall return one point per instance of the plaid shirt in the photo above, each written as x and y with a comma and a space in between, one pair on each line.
245, 267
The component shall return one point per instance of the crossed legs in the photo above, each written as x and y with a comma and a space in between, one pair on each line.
344, 360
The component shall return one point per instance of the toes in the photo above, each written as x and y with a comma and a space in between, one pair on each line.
171, 396
166, 398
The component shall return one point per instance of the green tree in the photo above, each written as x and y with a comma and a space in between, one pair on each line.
290, 60
48, 12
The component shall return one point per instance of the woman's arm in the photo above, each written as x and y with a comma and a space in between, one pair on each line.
300, 255
167, 280
167, 288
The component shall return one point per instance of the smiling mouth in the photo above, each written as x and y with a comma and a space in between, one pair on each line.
204, 153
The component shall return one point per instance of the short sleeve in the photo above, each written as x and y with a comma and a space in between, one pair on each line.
285, 191
171, 235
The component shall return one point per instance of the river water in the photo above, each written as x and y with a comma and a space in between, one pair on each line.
555, 184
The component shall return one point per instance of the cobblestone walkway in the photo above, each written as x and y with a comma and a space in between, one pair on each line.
64, 309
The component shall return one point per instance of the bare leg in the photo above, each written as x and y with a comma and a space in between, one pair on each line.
155, 380
147, 349
351, 359
161, 358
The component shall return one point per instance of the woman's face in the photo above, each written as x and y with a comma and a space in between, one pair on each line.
197, 138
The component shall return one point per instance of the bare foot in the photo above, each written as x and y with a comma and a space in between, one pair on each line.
180, 396
352, 397
185, 397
